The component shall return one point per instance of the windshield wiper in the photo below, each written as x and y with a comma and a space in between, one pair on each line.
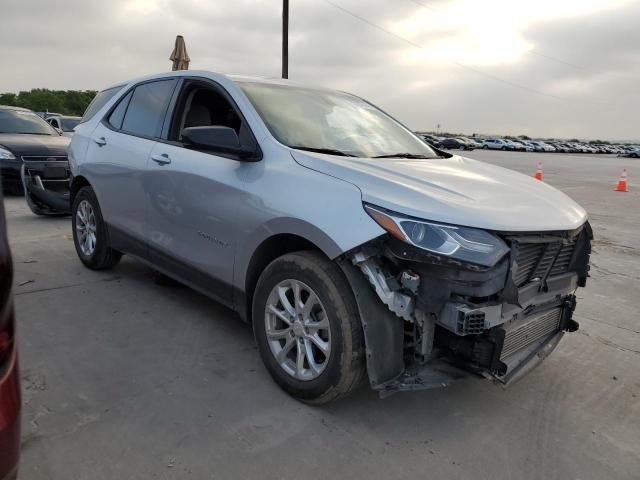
403, 155
328, 151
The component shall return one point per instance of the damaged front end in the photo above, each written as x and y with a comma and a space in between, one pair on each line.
46, 183
431, 318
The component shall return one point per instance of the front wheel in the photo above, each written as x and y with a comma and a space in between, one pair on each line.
90, 235
485, 147
307, 327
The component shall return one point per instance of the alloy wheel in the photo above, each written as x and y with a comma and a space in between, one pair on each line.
86, 228
298, 330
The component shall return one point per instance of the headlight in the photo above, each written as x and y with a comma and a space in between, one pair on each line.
6, 154
462, 243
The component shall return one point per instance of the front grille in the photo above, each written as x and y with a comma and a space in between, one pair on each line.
534, 329
534, 259
44, 158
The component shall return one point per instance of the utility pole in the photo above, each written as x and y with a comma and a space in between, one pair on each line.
285, 38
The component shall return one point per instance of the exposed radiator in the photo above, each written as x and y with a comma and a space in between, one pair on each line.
536, 328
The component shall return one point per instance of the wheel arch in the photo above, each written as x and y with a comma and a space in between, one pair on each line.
274, 238
268, 250
76, 184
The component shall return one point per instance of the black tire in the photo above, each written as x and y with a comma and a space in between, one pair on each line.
485, 147
503, 148
103, 256
345, 364
634, 155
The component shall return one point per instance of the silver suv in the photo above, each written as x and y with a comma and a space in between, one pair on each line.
355, 249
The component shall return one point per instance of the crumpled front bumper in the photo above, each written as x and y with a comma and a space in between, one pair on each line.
437, 322
47, 187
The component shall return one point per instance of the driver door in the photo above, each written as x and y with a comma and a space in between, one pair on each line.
194, 195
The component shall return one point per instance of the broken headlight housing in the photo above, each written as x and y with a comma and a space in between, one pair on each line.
462, 243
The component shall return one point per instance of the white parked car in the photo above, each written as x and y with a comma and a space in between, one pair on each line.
542, 146
64, 124
496, 144
470, 141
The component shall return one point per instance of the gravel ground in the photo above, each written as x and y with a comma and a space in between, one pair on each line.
124, 378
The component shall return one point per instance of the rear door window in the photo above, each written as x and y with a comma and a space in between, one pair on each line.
145, 114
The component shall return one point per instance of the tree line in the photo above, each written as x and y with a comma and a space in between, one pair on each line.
65, 102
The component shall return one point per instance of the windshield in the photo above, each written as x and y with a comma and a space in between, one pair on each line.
68, 124
18, 121
331, 122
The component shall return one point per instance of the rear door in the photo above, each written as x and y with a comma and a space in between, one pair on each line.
119, 152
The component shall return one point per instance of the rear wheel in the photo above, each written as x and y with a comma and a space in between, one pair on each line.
307, 328
90, 235
485, 147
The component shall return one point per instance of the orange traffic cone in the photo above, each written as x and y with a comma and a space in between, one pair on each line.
622, 183
539, 172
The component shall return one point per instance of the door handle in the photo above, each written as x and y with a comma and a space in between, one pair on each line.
100, 141
161, 159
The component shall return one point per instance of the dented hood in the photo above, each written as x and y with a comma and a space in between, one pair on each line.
454, 190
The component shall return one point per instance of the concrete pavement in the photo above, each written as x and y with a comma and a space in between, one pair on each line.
124, 378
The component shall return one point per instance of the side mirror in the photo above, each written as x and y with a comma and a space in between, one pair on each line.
58, 130
216, 138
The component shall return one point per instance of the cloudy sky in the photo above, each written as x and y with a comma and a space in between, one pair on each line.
559, 68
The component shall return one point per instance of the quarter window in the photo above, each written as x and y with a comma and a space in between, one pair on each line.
117, 115
99, 101
147, 108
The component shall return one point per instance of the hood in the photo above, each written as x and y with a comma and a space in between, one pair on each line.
454, 190
35, 145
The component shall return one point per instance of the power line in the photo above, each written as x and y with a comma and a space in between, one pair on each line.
467, 67
461, 65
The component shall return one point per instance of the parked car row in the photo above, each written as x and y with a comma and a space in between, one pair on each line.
505, 144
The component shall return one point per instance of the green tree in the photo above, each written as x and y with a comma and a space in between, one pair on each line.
66, 102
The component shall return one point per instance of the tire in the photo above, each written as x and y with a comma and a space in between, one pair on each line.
342, 370
634, 155
102, 256
485, 147
503, 148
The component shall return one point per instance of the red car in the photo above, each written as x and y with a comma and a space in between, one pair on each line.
9, 380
